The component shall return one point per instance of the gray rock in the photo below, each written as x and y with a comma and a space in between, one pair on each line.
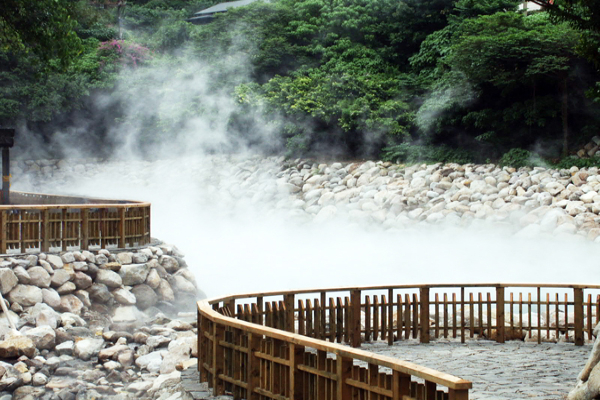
109, 278
151, 361
39, 277
70, 303
51, 297
100, 293
22, 275
43, 337
165, 291
55, 261
134, 274
68, 258
153, 279
25, 295
169, 263
124, 296
87, 348
82, 280
8, 280
66, 288
145, 296
60, 277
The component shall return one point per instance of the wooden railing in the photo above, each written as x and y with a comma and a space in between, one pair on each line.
285, 345
44, 222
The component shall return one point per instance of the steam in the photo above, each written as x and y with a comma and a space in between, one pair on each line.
220, 203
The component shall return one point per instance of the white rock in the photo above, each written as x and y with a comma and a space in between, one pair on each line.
88, 347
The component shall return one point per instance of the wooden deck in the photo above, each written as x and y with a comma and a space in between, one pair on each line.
287, 345
40, 222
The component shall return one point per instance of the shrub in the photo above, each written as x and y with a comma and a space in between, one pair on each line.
518, 158
571, 161
410, 153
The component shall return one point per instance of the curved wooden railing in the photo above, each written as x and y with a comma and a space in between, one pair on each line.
281, 345
46, 222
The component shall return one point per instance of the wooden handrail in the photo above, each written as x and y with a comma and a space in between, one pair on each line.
243, 338
45, 222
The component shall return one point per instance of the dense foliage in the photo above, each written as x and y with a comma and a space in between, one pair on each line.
436, 80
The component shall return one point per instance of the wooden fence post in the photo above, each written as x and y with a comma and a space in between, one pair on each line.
218, 360
424, 314
579, 340
400, 385
499, 315
253, 372
454, 394
296, 383
85, 228
288, 301
344, 371
355, 318
121, 239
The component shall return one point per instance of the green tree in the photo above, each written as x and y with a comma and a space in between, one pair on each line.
513, 73
44, 27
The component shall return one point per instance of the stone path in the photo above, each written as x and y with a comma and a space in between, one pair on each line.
509, 371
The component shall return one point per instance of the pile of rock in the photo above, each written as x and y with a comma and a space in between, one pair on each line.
591, 149
93, 324
530, 201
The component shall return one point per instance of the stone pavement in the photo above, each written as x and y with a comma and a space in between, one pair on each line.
509, 371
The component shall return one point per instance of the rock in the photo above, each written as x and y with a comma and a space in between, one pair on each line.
82, 280
16, 345
51, 297
100, 293
43, 337
165, 291
68, 319
169, 263
25, 295
124, 296
145, 296
124, 258
70, 303
109, 278
67, 288
153, 279
23, 275
86, 348
8, 280
179, 351
151, 361
55, 261
179, 283
134, 274
60, 277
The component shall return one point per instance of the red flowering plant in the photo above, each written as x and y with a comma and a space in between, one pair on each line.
127, 54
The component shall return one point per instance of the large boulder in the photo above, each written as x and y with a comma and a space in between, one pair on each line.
39, 277
134, 274
25, 295
43, 337
109, 278
8, 280
145, 296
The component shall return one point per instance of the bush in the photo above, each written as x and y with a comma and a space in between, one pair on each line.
518, 158
411, 154
571, 161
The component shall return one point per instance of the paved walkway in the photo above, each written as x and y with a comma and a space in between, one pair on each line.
509, 371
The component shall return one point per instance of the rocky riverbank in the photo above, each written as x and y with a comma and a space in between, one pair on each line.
97, 324
528, 202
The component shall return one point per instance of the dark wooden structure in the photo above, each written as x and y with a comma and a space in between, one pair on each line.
45, 222
286, 345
